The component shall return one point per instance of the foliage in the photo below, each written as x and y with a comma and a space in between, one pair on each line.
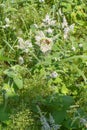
43, 63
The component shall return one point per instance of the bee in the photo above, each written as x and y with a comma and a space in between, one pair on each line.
45, 41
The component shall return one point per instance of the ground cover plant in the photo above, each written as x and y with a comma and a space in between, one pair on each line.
43, 64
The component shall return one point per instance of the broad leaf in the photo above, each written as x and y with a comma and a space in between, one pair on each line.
19, 82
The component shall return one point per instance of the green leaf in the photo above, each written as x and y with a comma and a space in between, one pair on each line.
18, 81
75, 57
3, 58
10, 73
59, 116
3, 115
64, 89
8, 91
57, 80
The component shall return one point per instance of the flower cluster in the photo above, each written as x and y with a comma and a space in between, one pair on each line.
48, 21
66, 28
44, 42
24, 45
84, 122
44, 38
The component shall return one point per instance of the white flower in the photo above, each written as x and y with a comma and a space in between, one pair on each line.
28, 44
44, 42
24, 45
21, 43
21, 60
64, 24
44, 48
6, 26
73, 48
41, 0
80, 45
7, 20
7, 23
54, 74
71, 27
67, 28
52, 22
66, 31
36, 26
84, 122
48, 21
49, 30
40, 35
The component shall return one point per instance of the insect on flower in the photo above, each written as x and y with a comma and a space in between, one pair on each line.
46, 41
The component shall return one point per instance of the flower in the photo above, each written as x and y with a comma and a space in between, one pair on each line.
21, 60
40, 35
44, 42
24, 45
7, 20
7, 23
84, 122
35, 25
66, 31
21, 43
28, 44
45, 46
71, 27
64, 24
41, 0
54, 74
73, 48
49, 30
48, 21
80, 45
67, 28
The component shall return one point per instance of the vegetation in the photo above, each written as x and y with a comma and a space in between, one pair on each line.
43, 65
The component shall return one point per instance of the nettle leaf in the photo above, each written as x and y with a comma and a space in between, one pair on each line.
3, 115
67, 101
18, 81
58, 106
59, 116
15, 75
